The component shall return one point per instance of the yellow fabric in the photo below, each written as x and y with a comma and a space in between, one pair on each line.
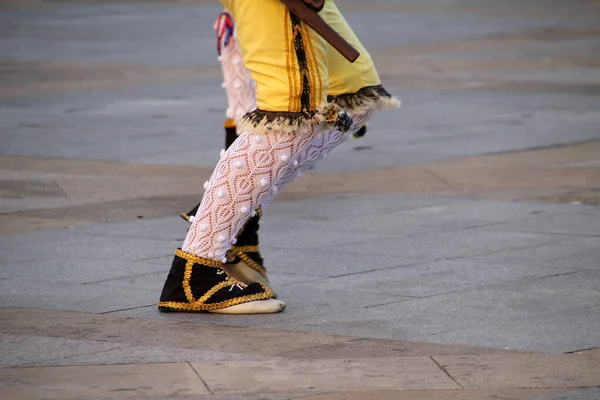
270, 42
346, 77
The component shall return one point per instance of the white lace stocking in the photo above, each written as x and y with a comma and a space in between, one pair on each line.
238, 83
246, 174
316, 150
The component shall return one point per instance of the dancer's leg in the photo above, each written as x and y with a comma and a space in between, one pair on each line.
244, 260
288, 62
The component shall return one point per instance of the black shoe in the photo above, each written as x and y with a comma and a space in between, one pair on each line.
198, 284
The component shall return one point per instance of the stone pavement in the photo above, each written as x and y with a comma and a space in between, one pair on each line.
454, 253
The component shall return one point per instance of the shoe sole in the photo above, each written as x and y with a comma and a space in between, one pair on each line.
269, 306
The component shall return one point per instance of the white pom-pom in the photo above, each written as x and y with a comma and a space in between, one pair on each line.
222, 239
275, 189
224, 260
220, 58
258, 139
192, 218
253, 214
224, 84
206, 185
220, 193
237, 60
244, 209
285, 157
233, 241
238, 163
295, 163
229, 113
203, 227
263, 182
237, 85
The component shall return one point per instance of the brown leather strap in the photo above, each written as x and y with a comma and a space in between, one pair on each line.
312, 19
316, 5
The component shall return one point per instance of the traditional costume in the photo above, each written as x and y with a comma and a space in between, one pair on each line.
308, 100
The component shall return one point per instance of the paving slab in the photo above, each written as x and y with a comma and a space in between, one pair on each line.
169, 331
102, 381
426, 279
578, 394
66, 296
63, 269
371, 348
571, 252
508, 394
44, 349
450, 244
492, 371
274, 376
581, 224
319, 263
449, 216
508, 315
71, 243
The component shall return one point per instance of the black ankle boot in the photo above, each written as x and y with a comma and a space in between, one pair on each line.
246, 247
198, 284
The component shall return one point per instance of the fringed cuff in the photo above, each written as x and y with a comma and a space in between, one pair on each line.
261, 122
366, 99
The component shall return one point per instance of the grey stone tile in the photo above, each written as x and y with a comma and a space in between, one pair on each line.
283, 279
169, 353
170, 228
440, 277
103, 382
83, 270
24, 350
454, 215
585, 224
553, 314
71, 243
151, 281
43, 38
592, 393
104, 114
576, 253
423, 138
329, 262
449, 244
569, 332
346, 206
93, 298
310, 238
366, 373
